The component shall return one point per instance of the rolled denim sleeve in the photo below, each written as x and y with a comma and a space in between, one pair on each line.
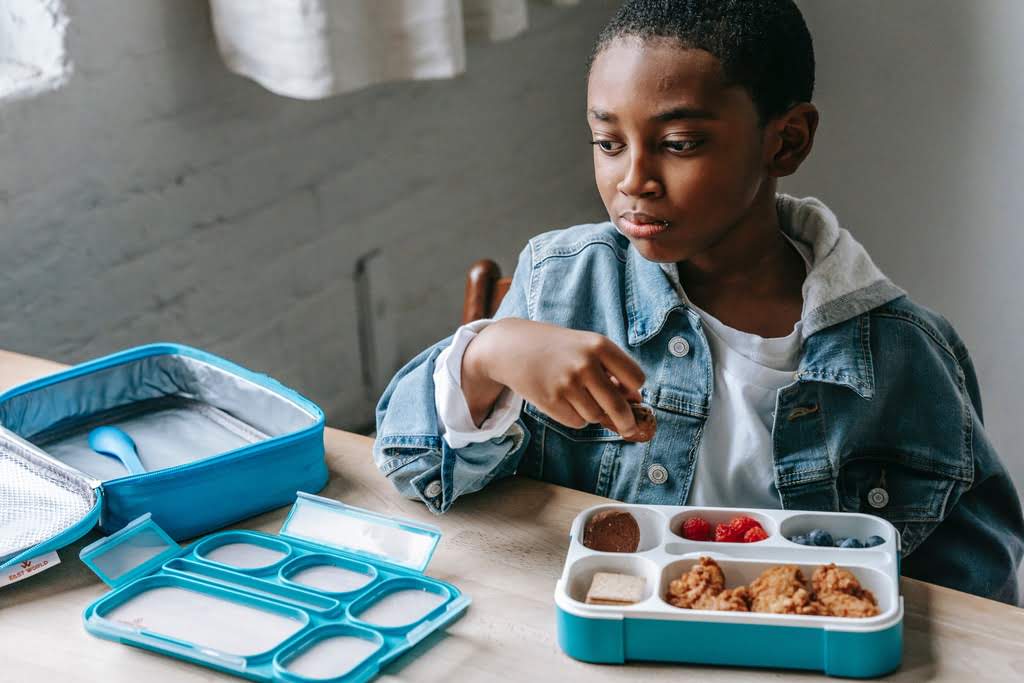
978, 547
410, 448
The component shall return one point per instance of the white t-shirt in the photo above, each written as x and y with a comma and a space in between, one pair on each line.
735, 465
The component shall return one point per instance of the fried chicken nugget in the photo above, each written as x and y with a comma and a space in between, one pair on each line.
732, 600
783, 590
841, 594
698, 587
703, 587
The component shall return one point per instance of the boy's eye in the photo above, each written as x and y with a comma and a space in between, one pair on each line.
683, 145
608, 146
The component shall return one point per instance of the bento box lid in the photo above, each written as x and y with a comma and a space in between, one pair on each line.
134, 551
361, 532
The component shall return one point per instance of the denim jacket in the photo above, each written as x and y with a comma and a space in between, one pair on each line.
885, 402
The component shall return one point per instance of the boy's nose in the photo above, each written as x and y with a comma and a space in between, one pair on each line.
639, 180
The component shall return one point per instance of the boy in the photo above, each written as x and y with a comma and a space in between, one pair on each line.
785, 370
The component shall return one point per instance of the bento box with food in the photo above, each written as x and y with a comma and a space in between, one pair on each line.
724, 586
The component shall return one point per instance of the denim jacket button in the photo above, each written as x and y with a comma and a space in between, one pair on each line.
878, 498
657, 474
433, 489
678, 347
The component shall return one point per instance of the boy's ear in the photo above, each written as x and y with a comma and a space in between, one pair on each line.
788, 139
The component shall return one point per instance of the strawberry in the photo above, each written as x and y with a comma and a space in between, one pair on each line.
755, 534
724, 533
697, 529
741, 524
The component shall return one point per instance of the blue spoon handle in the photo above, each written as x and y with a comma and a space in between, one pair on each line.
113, 442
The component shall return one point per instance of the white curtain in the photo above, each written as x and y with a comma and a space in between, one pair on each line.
310, 49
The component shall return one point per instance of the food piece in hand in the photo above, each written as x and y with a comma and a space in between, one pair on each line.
645, 422
841, 594
615, 589
782, 590
697, 529
820, 537
697, 588
755, 534
612, 531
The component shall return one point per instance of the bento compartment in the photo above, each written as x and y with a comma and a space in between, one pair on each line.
867, 529
251, 584
189, 613
648, 529
328, 652
581, 575
243, 550
399, 603
328, 573
743, 572
716, 516
176, 407
166, 432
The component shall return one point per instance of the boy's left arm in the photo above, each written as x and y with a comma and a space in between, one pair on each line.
978, 547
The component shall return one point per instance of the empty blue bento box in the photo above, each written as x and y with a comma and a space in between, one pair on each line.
338, 594
217, 444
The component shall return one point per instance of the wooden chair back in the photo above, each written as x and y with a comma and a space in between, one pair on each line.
485, 288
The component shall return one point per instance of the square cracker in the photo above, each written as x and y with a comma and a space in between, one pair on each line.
615, 589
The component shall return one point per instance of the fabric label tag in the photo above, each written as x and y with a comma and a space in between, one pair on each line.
25, 569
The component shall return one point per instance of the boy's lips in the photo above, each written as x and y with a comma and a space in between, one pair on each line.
642, 225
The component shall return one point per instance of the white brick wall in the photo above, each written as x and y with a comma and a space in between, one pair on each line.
156, 196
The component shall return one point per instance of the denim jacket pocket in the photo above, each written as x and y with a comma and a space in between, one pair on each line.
912, 492
591, 432
585, 459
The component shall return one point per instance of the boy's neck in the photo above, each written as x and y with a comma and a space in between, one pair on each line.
752, 278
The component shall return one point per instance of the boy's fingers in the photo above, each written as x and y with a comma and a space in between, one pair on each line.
632, 395
612, 402
623, 368
564, 413
584, 404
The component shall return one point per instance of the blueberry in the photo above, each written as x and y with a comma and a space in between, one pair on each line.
851, 543
840, 540
873, 541
820, 537
802, 540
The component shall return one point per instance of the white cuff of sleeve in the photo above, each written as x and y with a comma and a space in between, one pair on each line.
457, 424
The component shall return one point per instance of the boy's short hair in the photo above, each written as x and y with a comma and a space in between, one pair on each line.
762, 45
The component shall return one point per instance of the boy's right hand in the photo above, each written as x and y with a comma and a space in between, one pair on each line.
575, 377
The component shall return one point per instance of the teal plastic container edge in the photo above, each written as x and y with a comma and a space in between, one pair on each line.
188, 500
852, 654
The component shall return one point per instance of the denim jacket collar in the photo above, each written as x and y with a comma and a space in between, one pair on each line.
839, 354
650, 297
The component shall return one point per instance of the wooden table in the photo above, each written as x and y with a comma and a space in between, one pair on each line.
505, 548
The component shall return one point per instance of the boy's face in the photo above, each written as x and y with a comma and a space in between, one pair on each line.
679, 158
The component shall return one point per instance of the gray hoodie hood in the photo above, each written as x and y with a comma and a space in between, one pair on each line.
843, 281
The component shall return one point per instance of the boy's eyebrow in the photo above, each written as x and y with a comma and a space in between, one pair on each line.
677, 113
674, 114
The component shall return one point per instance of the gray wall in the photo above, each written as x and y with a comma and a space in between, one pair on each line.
157, 196
921, 154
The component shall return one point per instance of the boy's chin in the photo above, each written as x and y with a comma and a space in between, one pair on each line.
652, 250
